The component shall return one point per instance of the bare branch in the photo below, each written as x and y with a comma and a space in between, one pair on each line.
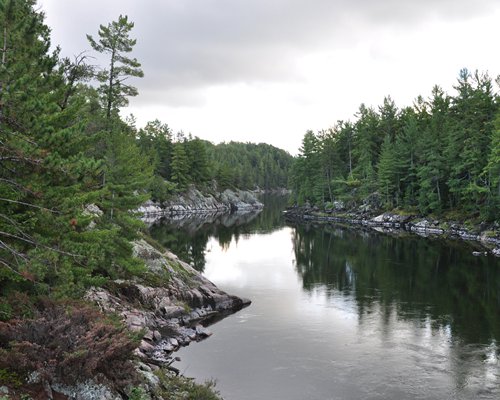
30, 205
7, 265
36, 244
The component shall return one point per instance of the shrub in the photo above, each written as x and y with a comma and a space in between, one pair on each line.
68, 342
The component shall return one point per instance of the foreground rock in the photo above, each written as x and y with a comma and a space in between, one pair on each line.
172, 305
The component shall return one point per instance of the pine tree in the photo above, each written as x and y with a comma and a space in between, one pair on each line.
406, 149
433, 170
309, 169
492, 173
180, 165
45, 176
472, 112
198, 161
155, 139
114, 40
388, 172
366, 148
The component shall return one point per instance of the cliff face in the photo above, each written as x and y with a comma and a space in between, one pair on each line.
194, 201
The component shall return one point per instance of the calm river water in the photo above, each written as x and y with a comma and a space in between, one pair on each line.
340, 313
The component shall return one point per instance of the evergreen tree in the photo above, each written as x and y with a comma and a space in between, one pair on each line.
46, 177
388, 172
180, 165
366, 148
114, 40
388, 124
492, 174
433, 171
198, 161
308, 170
406, 149
472, 114
155, 139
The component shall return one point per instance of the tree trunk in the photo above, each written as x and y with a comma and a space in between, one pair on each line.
4, 60
110, 88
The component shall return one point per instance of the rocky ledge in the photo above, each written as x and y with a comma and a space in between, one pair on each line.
194, 201
487, 235
172, 306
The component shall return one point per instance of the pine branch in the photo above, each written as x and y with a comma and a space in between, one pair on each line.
18, 186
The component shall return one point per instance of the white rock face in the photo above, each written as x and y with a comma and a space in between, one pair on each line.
93, 210
193, 201
149, 208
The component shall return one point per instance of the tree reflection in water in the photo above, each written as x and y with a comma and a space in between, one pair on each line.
187, 235
427, 282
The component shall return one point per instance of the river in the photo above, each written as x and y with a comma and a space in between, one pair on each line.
342, 313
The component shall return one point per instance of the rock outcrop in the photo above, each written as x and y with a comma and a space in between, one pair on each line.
172, 305
194, 201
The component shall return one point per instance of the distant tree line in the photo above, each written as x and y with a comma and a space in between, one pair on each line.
439, 155
181, 160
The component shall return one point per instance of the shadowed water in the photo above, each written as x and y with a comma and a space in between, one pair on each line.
342, 313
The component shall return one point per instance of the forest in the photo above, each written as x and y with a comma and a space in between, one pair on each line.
439, 156
64, 146
179, 160
72, 172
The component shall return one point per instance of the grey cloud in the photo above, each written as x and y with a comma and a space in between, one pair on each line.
192, 44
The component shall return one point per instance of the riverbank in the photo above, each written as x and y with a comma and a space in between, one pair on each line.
169, 306
194, 201
488, 235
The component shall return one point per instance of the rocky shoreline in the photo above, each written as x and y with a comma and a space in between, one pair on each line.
194, 201
171, 312
170, 306
487, 235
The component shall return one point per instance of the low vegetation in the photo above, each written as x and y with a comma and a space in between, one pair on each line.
64, 342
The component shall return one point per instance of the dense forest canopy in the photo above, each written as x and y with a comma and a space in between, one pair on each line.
180, 160
439, 155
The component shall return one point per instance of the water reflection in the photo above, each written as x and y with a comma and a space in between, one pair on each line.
418, 278
341, 313
188, 235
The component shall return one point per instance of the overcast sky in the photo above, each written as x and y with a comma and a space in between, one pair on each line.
268, 70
